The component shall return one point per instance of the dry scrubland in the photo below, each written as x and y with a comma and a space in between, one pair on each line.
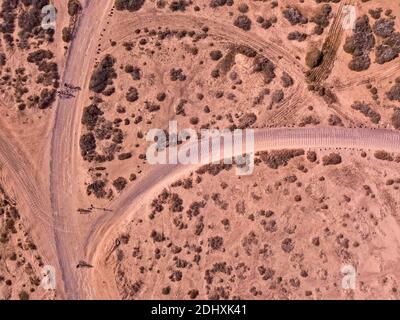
20, 261
227, 71
286, 231
283, 232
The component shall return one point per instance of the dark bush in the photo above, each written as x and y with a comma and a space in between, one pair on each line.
161, 96
87, 143
266, 24
3, 59
334, 120
132, 95
120, 183
220, 3
193, 294
375, 13
331, 159
243, 8
278, 96
247, 120
74, 7
360, 44
275, 159
311, 156
90, 116
133, 71
215, 73
294, 16
314, 58
177, 74
29, 20
242, 22
297, 36
103, 74
385, 54
362, 39
104, 129
383, 27
287, 80
360, 63
216, 242
287, 245
265, 66
394, 92
152, 107
246, 51
383, 155
216, 55
8, 8
66, 34
321, 18
396, 118
39, 55
179, 5
393, 41
109, 91
38, 4
157, 236
124, 156
98, 188
47, 97
367, 111
23, 295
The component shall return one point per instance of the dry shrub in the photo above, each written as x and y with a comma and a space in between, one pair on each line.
331, 159
383, 155
275, 159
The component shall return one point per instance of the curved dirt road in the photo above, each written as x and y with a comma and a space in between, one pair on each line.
107, 226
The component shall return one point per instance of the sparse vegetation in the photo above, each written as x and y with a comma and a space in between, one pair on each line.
243, 22
396, 119
360, 45
132, 95
367, 111
87, 143
103, 75
314, 58
120, 183
276, 159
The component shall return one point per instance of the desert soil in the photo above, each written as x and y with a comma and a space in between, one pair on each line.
78, 194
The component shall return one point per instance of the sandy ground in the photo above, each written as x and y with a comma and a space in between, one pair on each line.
196, 67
